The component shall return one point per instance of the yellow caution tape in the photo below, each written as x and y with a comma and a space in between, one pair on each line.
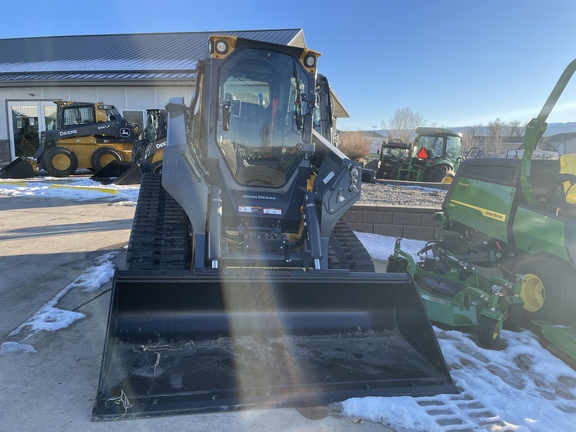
92, 188
14, 183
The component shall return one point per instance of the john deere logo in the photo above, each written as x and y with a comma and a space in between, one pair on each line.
125, 132
485, 212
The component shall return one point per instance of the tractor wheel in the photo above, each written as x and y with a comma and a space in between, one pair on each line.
156, 167
60, 162
448, 179
488, 331
440, 174
513, 316
103, 156
548, 290
393, 266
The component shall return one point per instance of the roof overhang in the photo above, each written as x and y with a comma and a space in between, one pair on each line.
339, 110
108, 78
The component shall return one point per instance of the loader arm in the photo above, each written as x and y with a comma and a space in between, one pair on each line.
536, 128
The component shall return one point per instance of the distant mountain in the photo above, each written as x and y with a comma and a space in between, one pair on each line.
552, 129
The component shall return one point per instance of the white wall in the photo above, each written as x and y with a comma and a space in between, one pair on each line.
128, 97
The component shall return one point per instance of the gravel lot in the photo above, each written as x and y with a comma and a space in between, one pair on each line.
410, 196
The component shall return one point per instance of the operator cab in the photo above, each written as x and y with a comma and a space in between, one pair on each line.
438, 143
265, 116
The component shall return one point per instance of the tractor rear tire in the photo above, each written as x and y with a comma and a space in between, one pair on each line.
548, 292
103, 156
60, 162
440, 174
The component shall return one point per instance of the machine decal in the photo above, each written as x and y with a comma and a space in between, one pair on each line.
485, 212
260, 197
70, 132
250, 209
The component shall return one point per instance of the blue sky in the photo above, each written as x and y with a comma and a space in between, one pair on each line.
455, 62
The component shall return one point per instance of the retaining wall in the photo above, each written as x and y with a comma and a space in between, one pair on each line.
417, 223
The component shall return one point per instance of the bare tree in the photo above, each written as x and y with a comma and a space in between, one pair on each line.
516, 129
354, 144
472, 137
498, 131
403, 123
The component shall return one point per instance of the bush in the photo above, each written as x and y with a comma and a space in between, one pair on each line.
355, 145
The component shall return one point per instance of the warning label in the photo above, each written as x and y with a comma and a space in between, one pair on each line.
259, 210
250, 209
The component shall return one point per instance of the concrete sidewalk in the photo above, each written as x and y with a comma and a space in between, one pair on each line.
45, 244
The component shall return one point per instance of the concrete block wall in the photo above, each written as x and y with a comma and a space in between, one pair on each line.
417, 223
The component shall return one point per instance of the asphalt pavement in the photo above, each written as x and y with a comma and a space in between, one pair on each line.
45, 244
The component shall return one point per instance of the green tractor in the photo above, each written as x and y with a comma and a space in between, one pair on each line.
390, 158
519, 215
438, 154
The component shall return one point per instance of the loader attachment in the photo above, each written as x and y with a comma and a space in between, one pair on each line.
218, 340
19, 168
120, 173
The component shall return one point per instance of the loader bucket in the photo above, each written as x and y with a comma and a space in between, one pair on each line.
18, 168
120, 173
190, 342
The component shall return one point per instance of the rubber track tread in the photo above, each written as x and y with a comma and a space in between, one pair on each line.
159, 237
347, 251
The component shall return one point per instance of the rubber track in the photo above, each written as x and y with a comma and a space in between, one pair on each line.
346, 251
159, 237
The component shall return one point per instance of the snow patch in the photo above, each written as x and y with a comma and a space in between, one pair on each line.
14, 347
51, 318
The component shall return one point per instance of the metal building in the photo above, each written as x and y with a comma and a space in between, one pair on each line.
134, 72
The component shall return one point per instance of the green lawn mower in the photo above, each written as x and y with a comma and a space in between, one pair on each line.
519, 215
456, 295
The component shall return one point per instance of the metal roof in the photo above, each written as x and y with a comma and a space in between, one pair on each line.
125, 59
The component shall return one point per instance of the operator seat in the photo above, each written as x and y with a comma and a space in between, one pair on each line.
568, 173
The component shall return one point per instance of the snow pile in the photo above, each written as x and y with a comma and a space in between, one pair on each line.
70, 188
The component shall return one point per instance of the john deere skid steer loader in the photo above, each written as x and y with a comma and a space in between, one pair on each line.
242, 288
87, 135
147, 153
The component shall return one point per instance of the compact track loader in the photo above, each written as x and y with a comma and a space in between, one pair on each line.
243, 288
520, 215
147, 153
87, 135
